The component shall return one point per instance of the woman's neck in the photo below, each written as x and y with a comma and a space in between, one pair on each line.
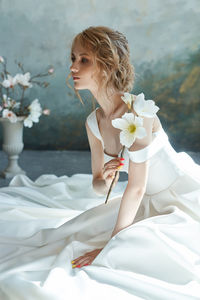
112, 105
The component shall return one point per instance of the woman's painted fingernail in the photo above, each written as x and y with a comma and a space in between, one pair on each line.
78, 266
119, 167
86, 265
121, 158
121, 164
73, 266
73, 261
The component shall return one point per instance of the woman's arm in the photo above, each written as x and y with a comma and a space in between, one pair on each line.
133, 194
137, 180
100, 185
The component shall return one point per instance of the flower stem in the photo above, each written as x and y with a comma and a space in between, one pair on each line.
39, 75
111, 186
22, 100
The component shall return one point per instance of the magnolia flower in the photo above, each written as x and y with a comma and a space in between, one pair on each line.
23, 79
35, 110
1, 59
9, 82
131, 128
128, 99
9, 115
46, 112
145, 108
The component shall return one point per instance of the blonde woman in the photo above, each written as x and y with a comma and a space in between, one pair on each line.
101, 63
58, 238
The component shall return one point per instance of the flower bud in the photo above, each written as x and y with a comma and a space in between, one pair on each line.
1, 59
46, 112
51, 70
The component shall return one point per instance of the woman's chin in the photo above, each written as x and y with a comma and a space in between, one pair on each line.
80, 87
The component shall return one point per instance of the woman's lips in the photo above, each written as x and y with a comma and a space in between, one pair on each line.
76, 78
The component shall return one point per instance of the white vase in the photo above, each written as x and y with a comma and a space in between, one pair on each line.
12, 145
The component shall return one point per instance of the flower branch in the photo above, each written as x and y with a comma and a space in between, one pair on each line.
131, 125
13, 105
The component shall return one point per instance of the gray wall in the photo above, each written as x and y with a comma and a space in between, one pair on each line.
164, 42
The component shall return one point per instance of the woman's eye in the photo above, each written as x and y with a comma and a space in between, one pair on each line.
84, 60
72, 58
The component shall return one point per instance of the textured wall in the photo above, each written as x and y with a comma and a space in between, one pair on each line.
164, 42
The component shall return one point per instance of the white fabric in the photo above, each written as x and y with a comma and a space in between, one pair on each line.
47, 223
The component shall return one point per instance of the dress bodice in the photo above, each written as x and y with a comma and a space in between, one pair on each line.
165, 164
159, 138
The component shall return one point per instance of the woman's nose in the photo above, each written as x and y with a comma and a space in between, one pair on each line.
74, 67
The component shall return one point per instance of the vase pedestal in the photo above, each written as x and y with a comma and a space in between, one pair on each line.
13, 168
12, 146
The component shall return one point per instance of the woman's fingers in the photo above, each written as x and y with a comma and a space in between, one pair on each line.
112, 165
86, 259
111, 170
80, 263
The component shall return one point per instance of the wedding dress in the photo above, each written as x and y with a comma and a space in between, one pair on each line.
47, 223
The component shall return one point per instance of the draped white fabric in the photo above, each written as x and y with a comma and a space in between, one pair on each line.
47, 223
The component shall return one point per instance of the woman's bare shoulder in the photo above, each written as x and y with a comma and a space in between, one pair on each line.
156, 124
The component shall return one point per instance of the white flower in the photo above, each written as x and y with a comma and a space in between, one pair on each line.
35, 111
9, 82
145, 108
132, 128
1, 59
23, 79
9, 115
28, 122
128, 99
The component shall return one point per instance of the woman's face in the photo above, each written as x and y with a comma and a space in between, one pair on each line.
83, 68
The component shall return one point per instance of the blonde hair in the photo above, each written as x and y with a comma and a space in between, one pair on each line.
111, 56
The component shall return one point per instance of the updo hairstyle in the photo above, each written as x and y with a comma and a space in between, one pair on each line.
111, 56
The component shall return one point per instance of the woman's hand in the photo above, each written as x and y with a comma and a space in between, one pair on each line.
85, 259
110, 168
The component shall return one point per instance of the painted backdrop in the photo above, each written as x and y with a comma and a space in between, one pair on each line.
165, 50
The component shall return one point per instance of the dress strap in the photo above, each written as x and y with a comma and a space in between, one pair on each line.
147, 152
93, 124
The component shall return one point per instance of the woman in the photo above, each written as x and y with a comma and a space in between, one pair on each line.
101, 63
144, 243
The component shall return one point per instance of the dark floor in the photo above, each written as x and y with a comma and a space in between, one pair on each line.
60, 163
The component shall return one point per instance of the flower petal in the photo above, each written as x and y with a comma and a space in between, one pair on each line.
28, 122
127, 98
119, 123
139, 106
141, 132
138, 121
126, 138
129, 117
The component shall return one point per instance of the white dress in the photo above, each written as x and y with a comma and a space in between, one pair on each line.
47, 223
